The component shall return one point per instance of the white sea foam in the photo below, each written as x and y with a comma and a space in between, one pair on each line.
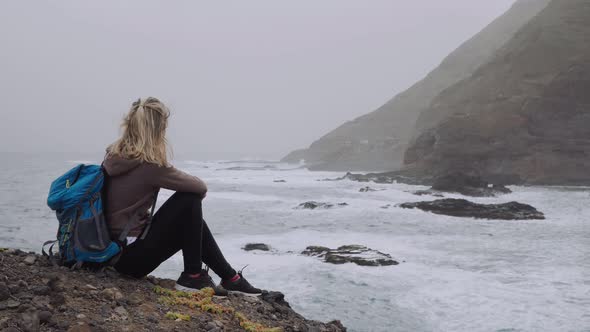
455, 274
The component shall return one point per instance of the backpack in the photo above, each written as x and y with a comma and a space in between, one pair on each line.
83, 235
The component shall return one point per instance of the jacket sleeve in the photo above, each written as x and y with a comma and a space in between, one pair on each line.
174, 179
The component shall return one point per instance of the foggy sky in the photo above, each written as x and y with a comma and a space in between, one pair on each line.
253, 78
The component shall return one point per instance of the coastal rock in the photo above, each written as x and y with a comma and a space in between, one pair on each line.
467, 185
312, 205
369, 189
256, 246
427, 193
357, 254
523, 116
465, 208
378, 140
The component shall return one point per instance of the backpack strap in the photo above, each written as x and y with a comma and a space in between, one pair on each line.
149, 223
133, 219
50, 256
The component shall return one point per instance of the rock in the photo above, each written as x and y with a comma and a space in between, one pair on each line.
378, 140
274, 297
11, 329
468, 185
134, 299
357, 254
9, 304
81, 316
152, 279
45, 316
210, 326
80, 328
279, 181
427, 192
256, 246
122, 312
57, 299
4, 291
112, 294
520, 116
29, 322
464, 208
30, 260
90, 287
40, 301
22, 284
369, 189
312, 205
315, 251
41, 290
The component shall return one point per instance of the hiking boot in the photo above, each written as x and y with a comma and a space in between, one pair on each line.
241, 286
193, 284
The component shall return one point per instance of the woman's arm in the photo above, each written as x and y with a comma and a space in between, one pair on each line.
174, 179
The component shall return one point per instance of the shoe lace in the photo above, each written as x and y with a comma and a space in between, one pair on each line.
242, 269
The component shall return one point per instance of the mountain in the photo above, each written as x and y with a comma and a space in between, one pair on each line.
377, 141
523, 116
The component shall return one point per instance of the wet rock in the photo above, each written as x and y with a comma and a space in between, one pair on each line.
465, 208
357, 254
467, 185
312, 205
427, 192
256, 246
30, 260
369, 189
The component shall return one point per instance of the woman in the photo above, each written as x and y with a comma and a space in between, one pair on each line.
137, 166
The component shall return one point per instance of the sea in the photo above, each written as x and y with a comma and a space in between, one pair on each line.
455, 274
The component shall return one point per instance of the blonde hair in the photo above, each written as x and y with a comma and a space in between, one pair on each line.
144, 133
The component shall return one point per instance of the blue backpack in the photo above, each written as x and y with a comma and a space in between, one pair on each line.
83, 234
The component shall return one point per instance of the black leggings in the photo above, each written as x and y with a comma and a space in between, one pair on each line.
178, 225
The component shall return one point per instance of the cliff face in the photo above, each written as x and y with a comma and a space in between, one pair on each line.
378, 140
523, 115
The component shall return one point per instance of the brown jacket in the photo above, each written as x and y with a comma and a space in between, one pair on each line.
131, 187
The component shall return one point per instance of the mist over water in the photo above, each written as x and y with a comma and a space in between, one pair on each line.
455, 274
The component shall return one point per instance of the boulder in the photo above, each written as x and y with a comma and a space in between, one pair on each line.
465, 208
256, 246
312, 205
357, 254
